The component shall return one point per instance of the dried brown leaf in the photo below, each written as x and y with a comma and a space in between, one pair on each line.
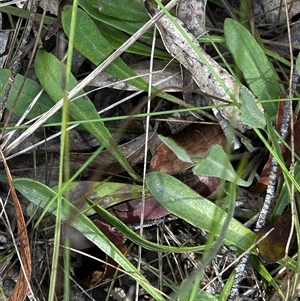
192, 13
130, 212
272, 248
195, 139
21, 288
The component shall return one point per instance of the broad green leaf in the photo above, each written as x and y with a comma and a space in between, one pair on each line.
28, 93
3, 80
51, 72
127, 232
130, 10
96, 48
250, 113
251, 59
116, 38
126, 26
185, 203
43, 196
177, 149
216, 164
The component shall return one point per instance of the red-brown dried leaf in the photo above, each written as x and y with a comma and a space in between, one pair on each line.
130, 212
196, 139
210, 185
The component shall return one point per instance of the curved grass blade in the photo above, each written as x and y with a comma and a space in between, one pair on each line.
43, 196
127, 232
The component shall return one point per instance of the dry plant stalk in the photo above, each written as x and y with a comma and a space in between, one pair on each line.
22, 285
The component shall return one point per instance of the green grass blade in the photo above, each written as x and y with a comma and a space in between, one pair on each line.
24, 13
43, 196
50, 72
136, 238
261, 269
